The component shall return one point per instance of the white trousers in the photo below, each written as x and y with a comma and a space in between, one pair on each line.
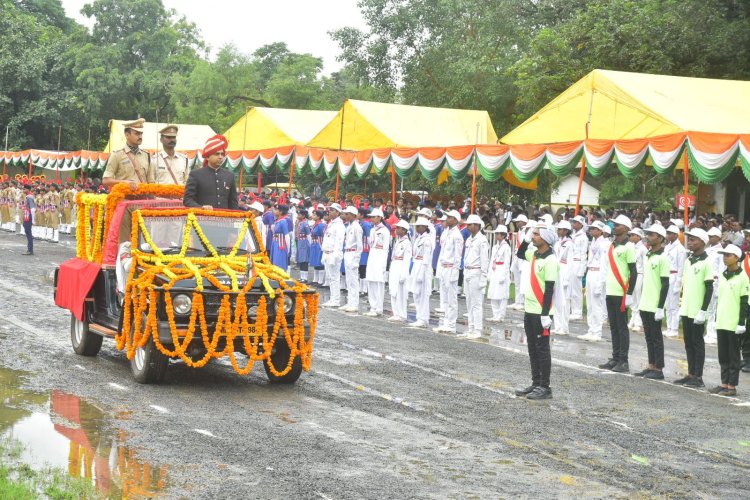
576, 292
561, 307
635, 320
333, 272
449, 293
672, 307
711, 323
352, 287
517, 271
594, 305
499, 306
376, 295
474, 293
398, 300
422, 300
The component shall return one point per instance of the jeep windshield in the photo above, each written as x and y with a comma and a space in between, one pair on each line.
167, 233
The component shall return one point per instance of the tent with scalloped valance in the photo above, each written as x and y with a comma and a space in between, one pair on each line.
634, 119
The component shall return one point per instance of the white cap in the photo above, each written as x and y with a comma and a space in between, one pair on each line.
376, 212
257, 206
421, 221
623, 220
673, 229
637, 231
531, 225
699, 233
563, 224
454, 214
732, 250
351, 210
579, 219
521, 218
607, 229
443, 218
547, 218
402, 223
475, 219
657, 229
336, 207
425, 211
293, 201
597, 224
501, 229
677, 222
714, 231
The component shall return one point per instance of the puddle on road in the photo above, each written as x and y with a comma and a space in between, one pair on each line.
76, 436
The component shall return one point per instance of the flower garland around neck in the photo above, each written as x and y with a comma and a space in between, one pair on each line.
232, 321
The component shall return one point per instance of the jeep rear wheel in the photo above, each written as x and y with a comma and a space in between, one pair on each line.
280, 358
85, 342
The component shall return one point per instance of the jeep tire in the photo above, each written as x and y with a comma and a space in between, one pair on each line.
280, 358
85, 342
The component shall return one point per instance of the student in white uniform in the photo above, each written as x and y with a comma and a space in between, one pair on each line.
714, 246
676, 254
517, 265
399, 273
564, 252
449, 261
333, 254
377, 263
498, 276
636, 238
352, 253
420, 277
476, 265
595, 279
578, 266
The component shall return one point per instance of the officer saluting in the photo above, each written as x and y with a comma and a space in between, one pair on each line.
212, 186
130, 164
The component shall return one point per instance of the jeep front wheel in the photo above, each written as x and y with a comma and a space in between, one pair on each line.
280, 359
85, 342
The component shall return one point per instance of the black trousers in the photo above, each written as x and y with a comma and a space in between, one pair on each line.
539, 352
729, 356
362, 271
29, 238
695, 347
654, 339
320, 267
618, 326
303, 266
745, 341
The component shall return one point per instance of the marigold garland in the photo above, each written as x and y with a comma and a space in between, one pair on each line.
232, 324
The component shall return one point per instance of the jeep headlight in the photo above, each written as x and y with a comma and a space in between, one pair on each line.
288, 304
182, 304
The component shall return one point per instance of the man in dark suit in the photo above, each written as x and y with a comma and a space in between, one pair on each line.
212, 186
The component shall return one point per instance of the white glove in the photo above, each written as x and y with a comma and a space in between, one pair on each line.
659, 314
628, 300
700, 318
740, 329
546, 322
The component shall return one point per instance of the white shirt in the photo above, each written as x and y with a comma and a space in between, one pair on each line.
477, 255
451, 248
400, 262
676, 254
377, 262
421, 253
717, 259
333, 238
353, 243
640, 256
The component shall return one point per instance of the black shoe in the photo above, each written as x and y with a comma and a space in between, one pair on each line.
608, 365
654, 375
540, 393
28, 253
728, 392
642, 373
621, 367
681, 381
717, 390
695, 382
524, 392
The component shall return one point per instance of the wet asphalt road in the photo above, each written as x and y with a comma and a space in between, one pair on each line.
392, 412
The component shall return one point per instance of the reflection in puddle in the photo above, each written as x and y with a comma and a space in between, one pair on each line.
76, 436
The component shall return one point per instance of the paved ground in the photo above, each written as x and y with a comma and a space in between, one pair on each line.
386, 411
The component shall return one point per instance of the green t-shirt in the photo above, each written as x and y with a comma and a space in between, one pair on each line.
624, 255
728, 299
696, 272
545, 269
655, 267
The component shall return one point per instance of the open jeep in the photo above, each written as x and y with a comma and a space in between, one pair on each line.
167, 281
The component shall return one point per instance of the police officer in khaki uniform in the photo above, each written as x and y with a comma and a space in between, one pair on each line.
130, 164
170, 167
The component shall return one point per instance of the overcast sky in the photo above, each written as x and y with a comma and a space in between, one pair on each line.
249, 24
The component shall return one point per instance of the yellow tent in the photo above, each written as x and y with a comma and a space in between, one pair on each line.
266, 128
189, 137
623, 105
374, 125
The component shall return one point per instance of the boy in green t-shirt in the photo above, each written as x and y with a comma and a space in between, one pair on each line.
539, 288
731, 315
656, 268
697, 289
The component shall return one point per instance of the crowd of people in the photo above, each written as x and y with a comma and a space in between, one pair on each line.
650, 263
